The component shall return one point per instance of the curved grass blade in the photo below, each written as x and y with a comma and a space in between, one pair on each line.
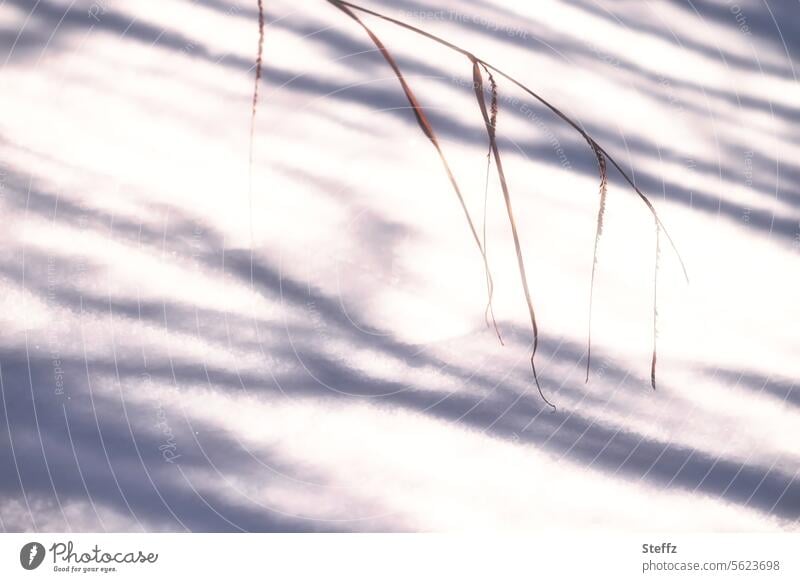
491, 122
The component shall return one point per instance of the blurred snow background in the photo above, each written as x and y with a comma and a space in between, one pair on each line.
179, 354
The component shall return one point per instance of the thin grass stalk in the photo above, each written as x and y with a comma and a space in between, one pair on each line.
427, 129
490, 122
256, 83
493, 124
596, 147
259, 61
601, 211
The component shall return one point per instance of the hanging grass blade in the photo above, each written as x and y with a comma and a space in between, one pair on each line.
601, 211
488, 313
257, 81
259, 60
655, 309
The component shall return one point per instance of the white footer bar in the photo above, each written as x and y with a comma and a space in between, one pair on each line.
401, 557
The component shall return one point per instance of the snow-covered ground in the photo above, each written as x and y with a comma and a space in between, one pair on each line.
189, 344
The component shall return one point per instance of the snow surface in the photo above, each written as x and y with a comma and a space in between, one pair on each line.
189, 345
